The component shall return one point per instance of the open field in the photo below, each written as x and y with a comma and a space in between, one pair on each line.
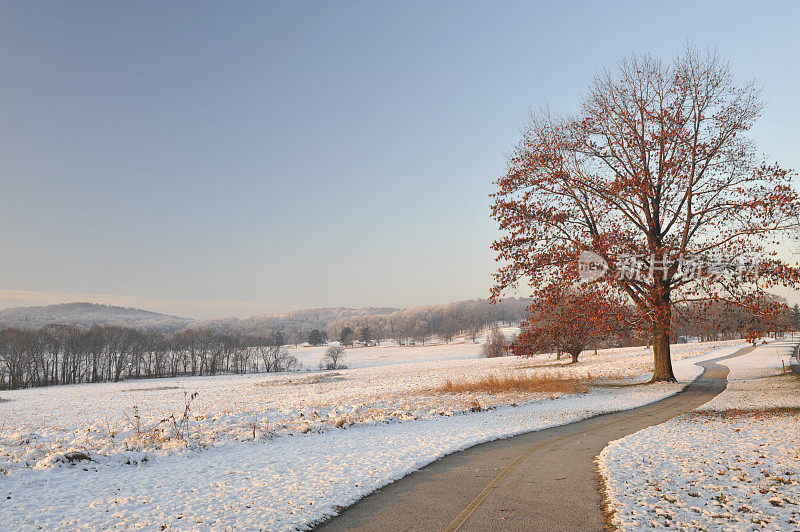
389, 353
284, 450
36, 423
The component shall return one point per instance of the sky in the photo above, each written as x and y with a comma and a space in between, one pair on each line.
237, 158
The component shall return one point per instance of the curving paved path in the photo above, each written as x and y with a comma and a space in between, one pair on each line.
543, 480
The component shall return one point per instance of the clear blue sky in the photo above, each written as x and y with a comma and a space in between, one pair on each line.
235, 158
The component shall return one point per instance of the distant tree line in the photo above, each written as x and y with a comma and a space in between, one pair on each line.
719, 320
295, 326
67, 354
420, 324
59, 354
572, 320
377, 324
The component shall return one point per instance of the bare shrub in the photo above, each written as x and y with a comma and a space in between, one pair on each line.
277, 359
332, 357
496, 345
474, 404
171, 428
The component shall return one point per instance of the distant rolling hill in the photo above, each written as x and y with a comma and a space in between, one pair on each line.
88, 314
307, 319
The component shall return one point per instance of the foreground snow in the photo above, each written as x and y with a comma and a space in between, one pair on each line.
299, 469
732, 464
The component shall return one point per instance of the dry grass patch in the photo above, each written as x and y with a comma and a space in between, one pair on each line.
320, 378
552, 384
563, 363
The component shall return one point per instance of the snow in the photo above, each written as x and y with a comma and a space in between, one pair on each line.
731, 464
322, 439
389, 352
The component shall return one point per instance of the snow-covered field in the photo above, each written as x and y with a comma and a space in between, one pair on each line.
389, 353
732, 464
277, 451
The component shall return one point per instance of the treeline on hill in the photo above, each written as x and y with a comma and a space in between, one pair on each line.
417, 324
62, 354
440, 321
88, 314
293, 325
66, 354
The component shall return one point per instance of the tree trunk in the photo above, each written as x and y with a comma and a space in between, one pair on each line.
662, 361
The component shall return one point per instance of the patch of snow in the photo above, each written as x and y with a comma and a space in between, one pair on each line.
734, 463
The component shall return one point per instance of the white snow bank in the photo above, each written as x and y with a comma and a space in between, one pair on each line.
731, 464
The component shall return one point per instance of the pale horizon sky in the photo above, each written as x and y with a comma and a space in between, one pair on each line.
213, 159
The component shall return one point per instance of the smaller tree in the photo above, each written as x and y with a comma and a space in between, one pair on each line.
796, 317
316, 338
366, 335
568, 318
333, 355
275, 358
299, 336
496, 345
347, 336
276, 338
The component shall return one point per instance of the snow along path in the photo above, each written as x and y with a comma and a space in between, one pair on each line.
732, 464
291, 482
544, 480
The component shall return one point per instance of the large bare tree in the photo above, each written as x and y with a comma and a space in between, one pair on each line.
655, 169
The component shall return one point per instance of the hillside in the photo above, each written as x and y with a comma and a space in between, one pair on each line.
88, 314
292, 321
446, 319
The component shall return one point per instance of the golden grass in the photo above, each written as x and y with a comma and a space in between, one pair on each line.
563, 363
549, 383
320, 378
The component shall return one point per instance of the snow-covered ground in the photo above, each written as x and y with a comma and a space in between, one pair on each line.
388, 352
732, 464
322, 439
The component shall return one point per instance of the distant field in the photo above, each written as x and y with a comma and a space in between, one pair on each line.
390, 353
